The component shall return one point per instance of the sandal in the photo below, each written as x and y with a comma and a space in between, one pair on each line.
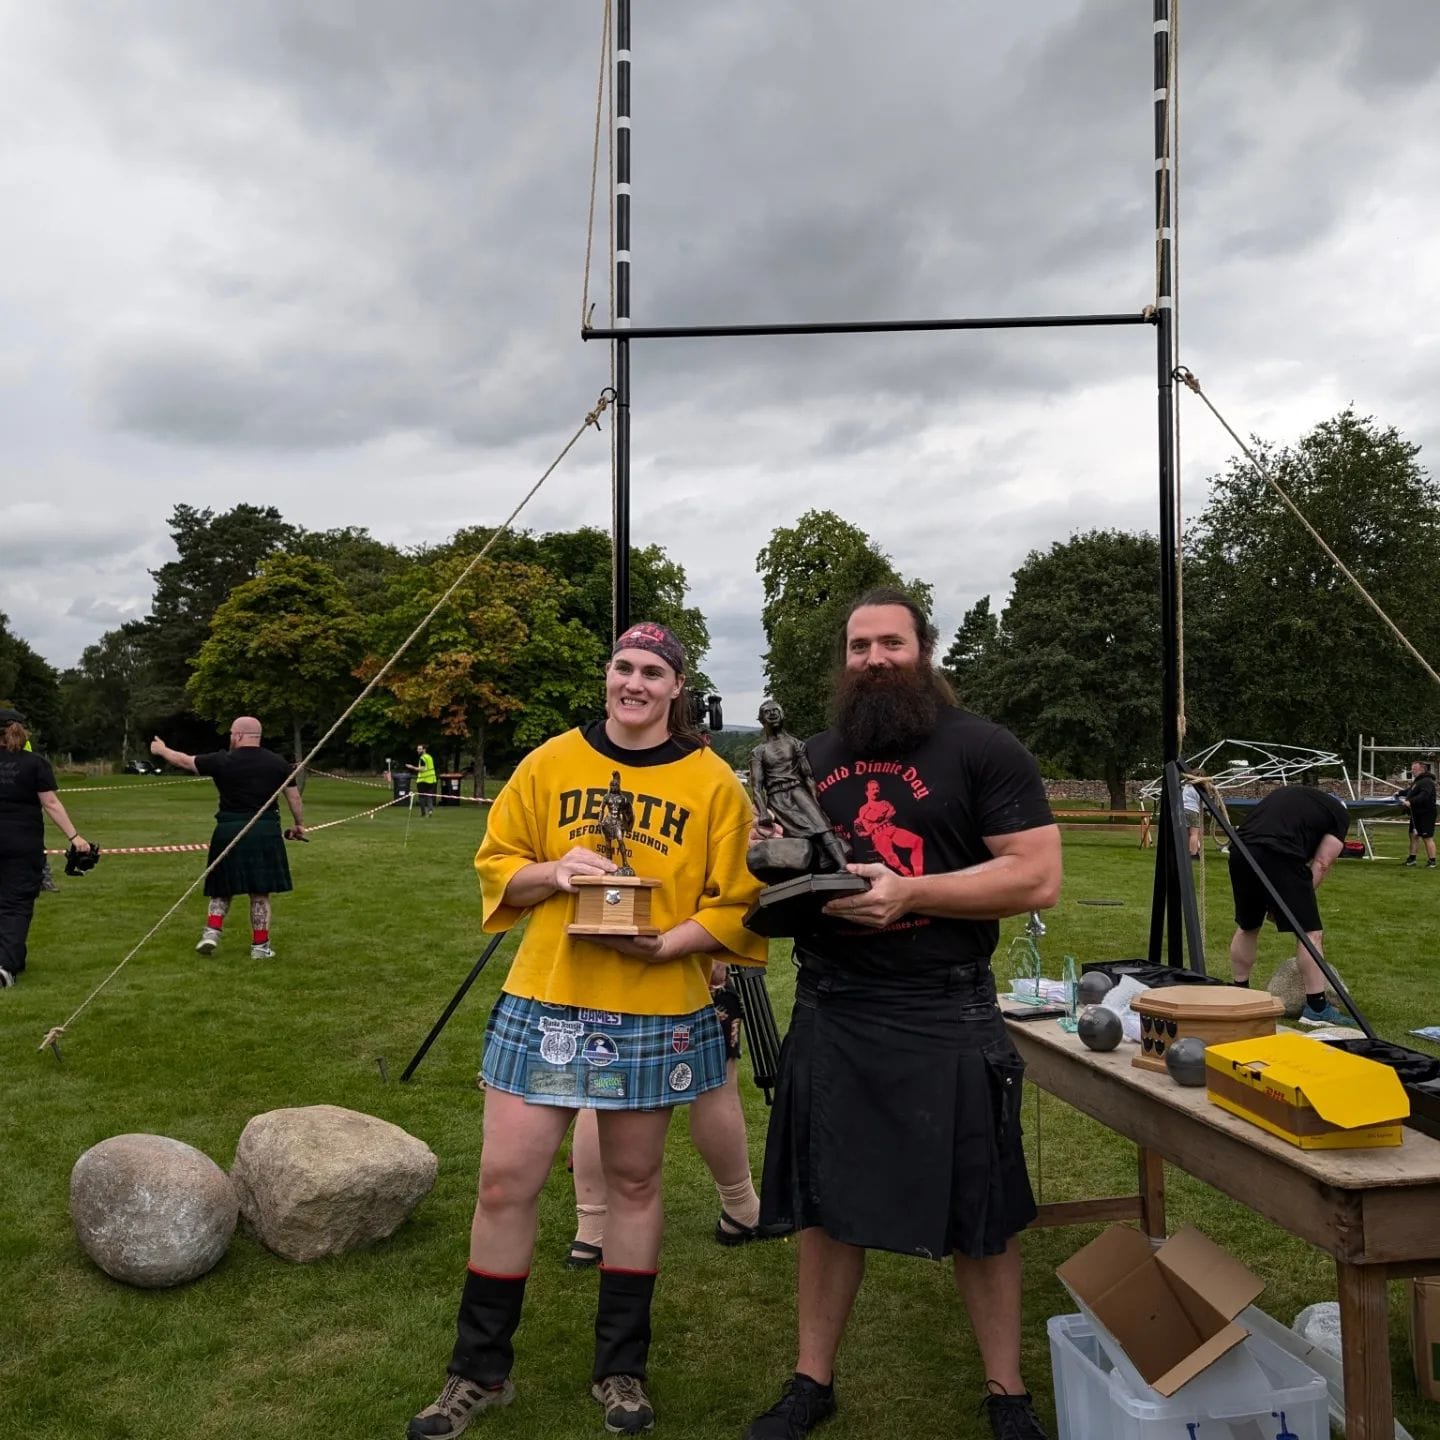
729, 1231
583, 1255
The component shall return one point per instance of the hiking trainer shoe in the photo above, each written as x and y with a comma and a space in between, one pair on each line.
803, 1404
207, 942
456, 1406
627, 1407
6, 978
1410, 861
262, 952
1328, 1015
1012, 1417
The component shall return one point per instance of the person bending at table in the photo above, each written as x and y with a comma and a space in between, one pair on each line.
897, 1114
1294, 833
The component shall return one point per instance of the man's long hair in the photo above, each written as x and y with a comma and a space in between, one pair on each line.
14, 737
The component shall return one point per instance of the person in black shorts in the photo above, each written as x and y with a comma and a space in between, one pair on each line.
1419, 799
896, 1123
1294, 833
246, 775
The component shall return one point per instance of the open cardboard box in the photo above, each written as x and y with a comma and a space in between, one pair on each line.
1172, 1310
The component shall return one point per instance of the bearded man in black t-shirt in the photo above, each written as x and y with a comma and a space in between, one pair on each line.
247, 777
897, 1115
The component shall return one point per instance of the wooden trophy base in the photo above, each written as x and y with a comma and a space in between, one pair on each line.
793, 906
612, 905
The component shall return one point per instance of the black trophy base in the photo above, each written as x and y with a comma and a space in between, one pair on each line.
793, 906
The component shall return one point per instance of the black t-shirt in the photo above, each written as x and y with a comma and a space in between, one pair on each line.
246, 778
24, 777
1294, 819
670, 749
924, 815
1421, 794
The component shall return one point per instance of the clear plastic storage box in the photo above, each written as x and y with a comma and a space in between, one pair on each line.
1094, 1402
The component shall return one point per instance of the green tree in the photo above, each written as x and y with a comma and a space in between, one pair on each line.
1075, 670
964, 662
362, 564
282, 647
29, 684
813, 571
498, 667
109, 697
215, 553
1279, 646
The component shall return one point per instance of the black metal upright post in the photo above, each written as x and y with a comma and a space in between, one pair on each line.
620, 521
1166, 917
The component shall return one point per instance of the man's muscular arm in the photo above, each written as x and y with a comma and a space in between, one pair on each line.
1024, 874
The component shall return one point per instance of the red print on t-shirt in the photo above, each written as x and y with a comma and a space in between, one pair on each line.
876, 821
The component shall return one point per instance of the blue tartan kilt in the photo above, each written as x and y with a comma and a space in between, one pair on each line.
601, 1059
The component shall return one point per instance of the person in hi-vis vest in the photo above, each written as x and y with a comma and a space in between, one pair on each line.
425, 781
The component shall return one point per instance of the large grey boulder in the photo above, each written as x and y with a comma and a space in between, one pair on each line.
151, 1211
320, 1180
1288, 987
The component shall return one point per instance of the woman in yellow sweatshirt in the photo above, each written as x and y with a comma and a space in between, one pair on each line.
622, 1026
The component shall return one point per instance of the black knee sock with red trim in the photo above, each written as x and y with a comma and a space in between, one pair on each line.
485, 1326
622, 1322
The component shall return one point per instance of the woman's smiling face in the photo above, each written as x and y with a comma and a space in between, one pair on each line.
639, 687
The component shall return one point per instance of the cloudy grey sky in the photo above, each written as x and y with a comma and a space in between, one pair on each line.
328, 256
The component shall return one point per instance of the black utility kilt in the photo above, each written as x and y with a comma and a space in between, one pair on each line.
258, 865
897, 1117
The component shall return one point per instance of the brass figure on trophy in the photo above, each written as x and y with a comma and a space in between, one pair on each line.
802, 857
616, 904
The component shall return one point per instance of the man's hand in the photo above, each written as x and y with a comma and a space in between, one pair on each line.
580, 861
157, 746
764, 827
882, 904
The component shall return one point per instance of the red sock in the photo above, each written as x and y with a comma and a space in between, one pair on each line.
214, 922
261, 936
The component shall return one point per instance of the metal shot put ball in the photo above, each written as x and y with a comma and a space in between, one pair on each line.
1185, 1060
1094, 984
1099, 1028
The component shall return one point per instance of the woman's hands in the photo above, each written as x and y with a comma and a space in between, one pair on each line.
580, 861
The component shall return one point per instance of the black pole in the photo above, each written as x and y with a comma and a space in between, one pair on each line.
865, 327
620, 521
453, 1006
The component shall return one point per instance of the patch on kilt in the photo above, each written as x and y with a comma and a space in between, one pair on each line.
605, 1084
681, 1077
541, 1081
600, 1050
599, 1017
680, 1039
560, 1040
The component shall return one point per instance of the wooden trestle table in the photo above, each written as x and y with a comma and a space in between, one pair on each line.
1376, 1212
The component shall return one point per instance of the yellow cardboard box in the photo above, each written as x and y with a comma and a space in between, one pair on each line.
1306, 1092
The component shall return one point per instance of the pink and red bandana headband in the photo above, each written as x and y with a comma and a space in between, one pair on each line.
647, 635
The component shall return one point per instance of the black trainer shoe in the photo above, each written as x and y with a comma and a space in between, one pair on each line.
803, 1404
1410, 860
1012, 1417
456, 1406
627, 1407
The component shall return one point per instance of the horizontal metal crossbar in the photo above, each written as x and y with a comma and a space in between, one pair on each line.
864, 327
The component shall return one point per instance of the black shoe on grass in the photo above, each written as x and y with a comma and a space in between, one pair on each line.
1012, 1417
803, 1404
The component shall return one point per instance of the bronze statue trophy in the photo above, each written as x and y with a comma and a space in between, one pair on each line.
805, 864
617, 904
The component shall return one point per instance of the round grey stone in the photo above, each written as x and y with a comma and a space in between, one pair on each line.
1099, 1028
151, 1211
1094, 985
1185, 1060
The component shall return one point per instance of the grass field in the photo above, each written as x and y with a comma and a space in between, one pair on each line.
369, 947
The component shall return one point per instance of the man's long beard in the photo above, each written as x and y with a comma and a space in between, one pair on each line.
888, 709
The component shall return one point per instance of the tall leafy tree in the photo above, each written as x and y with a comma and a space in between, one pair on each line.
813, 571
499, 668
964, 662
282, 647
362, 564
1279, 645
29, 683
1075, 669
215, 553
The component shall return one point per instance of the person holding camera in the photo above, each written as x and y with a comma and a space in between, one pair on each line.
27, 796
